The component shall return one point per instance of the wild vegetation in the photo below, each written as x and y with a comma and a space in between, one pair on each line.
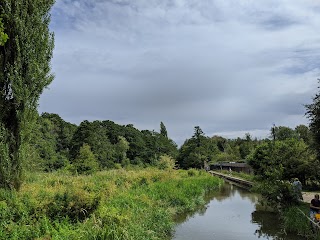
114, 204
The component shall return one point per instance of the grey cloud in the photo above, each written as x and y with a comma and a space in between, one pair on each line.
227, 66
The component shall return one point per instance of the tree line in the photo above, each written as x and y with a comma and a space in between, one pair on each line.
98, 145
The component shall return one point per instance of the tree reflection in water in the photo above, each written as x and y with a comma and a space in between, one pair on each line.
231, 205
270, 226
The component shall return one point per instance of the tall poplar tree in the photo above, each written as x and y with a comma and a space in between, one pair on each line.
24, 73
163, 130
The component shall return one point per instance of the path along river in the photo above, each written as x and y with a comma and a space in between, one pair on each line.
231, 214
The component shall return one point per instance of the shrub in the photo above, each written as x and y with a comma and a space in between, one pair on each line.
85, 162
166, 162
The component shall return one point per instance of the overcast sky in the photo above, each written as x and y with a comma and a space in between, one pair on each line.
228, 66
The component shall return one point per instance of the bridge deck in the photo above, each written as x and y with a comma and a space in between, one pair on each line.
232, 178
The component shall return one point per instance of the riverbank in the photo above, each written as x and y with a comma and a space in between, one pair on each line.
116, 204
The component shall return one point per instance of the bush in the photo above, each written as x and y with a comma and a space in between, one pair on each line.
166, 162
76, 204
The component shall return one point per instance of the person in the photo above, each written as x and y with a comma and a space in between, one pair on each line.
314, 206
297, 188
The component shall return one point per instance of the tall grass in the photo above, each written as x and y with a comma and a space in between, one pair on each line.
295, 221
115, 204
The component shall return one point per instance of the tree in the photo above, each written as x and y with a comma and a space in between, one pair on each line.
163, 130
49, 138
85, 162
121, 149
63, 130
276, 163
198, 135
283, 133
24, 73
95, 135
290, 158
197, 151
303, 133
313, 113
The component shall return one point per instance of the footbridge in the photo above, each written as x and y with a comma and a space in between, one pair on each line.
232, 178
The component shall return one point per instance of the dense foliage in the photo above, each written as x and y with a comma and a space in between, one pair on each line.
313, 113
56, 144
3, 35
25, 54
276, 163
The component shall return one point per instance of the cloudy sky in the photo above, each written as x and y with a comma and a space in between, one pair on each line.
228, 66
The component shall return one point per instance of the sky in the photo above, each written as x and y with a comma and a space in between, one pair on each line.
229, 66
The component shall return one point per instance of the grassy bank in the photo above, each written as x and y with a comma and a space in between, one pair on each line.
295, 221
115, 204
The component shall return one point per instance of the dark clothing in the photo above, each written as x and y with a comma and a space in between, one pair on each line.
316, 203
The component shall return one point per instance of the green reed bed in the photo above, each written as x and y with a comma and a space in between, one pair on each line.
116, 204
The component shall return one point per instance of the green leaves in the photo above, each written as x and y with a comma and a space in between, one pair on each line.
24, 73
85, 162
3, 36
313, 113
275, 163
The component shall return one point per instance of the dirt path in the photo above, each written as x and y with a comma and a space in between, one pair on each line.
308, 196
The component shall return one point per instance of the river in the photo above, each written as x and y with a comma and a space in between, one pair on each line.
231, 214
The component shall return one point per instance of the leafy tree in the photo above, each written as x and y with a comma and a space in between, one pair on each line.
46, 138
283, 133
63, 131
313, 113
138, 148
85, 162
197, 150
304, 133
113, 130
121, 149
24, 73
198, 135
220, 142
276, 163
95, 135
290, 158
157, 145
163, 130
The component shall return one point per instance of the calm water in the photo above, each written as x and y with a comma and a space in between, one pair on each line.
230, 215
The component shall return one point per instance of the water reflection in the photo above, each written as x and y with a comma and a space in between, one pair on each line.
230, 214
